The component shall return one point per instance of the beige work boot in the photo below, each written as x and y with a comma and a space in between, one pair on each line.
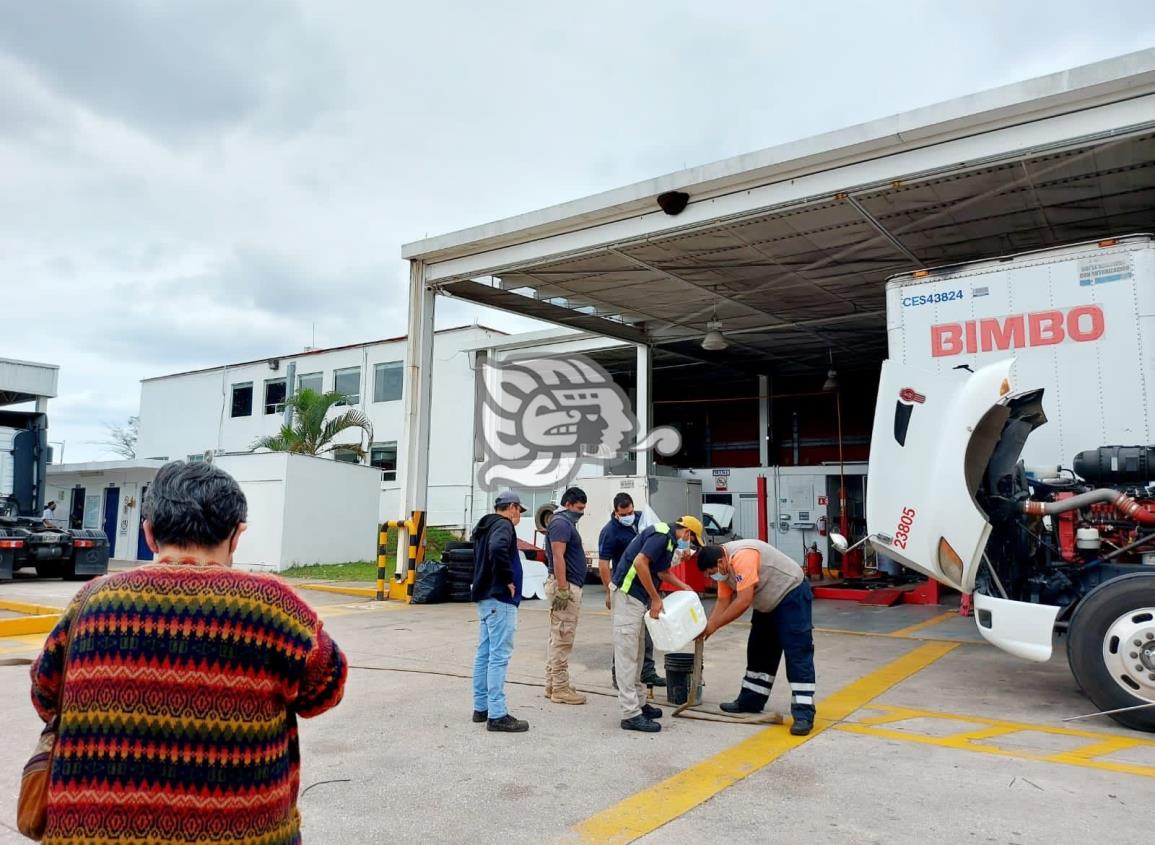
548, 690
567, 695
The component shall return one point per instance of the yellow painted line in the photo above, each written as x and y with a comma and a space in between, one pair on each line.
28, 625
922, 626
359, 592
25, 644
1087, 756
892, 636
646, 811
30, 609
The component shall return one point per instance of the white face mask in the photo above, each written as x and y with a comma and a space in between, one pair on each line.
627, 520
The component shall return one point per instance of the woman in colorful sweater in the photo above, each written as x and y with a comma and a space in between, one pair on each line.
184, 680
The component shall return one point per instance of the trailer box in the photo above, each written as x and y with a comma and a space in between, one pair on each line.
1078, 320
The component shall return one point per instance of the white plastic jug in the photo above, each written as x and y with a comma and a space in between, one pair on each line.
681, 620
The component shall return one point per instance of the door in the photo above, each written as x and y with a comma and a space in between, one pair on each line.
76, 510
111, 512
746, 522
143, 552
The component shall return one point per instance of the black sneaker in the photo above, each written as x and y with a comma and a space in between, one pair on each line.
737, 706
508, 724
641, 723
654, 680
801, 727
651, 712
480, 716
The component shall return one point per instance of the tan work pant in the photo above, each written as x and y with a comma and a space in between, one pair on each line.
629, 652
562, 628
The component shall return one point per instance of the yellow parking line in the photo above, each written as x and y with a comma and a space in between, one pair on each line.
646, 811
29, 609
929, 623
28, 625
1085, 756
360, 592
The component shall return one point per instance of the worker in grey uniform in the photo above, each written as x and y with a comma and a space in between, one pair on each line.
754, 574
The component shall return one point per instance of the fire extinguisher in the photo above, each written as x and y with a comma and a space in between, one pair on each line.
822, 526
814, 562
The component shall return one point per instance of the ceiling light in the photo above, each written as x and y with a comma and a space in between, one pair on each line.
714, 341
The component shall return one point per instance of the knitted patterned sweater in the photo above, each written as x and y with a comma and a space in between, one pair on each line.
178, 717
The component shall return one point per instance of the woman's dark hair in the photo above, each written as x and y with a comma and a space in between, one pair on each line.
709, 557
194, 505
622, 500
573, 496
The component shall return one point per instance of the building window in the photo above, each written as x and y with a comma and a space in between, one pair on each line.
274, 395
387, 381
348, 383
311, 381
197, 459
243, 399
346, 456
384, 457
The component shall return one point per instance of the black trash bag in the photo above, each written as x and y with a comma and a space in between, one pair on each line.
432, 584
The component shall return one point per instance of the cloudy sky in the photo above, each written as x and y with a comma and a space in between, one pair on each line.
194, 183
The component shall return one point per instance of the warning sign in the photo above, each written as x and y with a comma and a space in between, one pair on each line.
721, 482
822, 500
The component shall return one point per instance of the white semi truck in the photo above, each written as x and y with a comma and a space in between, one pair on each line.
1011, 455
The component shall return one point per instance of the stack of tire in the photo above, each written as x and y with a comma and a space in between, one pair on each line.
459, 558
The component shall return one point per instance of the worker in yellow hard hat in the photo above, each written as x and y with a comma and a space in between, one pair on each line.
646, 560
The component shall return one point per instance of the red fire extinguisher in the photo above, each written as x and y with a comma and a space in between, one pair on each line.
814, 562
822, 526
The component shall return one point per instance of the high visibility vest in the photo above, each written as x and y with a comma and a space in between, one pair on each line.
659, 528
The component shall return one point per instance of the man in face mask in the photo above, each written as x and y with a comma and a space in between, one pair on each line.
751, 573
563, 590
617, 534
645, 561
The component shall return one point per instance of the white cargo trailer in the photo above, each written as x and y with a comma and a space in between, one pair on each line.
1079, 322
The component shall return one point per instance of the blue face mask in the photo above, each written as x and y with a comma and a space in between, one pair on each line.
627, 520
718, 576
683, 544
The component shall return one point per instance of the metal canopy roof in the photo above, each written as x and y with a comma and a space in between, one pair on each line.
791, 254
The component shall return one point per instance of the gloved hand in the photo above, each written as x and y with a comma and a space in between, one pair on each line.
562, 598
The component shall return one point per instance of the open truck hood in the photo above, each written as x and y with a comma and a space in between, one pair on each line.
934, 434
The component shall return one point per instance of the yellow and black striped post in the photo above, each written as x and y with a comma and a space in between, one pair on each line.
401, 587
383, 553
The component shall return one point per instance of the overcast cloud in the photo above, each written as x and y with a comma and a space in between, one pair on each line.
195, 183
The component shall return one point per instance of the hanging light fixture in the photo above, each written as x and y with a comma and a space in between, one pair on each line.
714, 341
831, 383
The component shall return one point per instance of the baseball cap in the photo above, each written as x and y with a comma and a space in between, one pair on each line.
695, 525
508, 498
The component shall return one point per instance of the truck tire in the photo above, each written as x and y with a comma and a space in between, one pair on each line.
1112, 648
454, 545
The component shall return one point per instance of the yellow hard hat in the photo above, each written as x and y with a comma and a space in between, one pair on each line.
695, 525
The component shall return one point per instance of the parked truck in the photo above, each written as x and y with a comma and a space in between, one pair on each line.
1011, 454
26, 540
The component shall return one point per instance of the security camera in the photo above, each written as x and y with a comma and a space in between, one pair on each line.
673, 202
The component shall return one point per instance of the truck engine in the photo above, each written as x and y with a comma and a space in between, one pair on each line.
1058, 533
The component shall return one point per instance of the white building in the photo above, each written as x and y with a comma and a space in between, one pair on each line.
223, 410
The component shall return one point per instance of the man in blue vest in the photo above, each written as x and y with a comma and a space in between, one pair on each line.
645, 561
617, 534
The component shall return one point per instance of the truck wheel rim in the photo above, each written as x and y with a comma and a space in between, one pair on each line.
1129, 652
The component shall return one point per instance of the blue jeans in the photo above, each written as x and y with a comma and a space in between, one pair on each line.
494, 647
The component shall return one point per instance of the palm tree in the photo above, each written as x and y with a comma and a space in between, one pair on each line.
310, 433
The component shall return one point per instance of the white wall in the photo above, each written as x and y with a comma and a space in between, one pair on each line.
330, 512
304, 510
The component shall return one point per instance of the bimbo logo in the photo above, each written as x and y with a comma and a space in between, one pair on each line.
1043, 328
